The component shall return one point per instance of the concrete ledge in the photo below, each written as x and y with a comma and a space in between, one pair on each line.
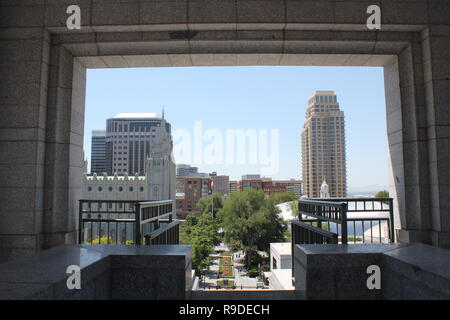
416, 271
107, 272
408, 271
246, 295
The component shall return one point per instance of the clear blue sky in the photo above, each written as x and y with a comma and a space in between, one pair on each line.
251, 97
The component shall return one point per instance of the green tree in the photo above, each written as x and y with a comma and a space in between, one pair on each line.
205, 203
203, 238
382, 194
186, 228
294, 208
280, 197
251, 222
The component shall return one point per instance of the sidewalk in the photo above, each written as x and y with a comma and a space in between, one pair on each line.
240, 273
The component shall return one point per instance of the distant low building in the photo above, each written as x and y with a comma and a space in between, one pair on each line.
220, 183
292, 185
268, 185
190, 190
233, 186
251, 176
185, 170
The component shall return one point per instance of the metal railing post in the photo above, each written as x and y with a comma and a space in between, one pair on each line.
344, 223
292, 247
137, 222
80, 221
391, 218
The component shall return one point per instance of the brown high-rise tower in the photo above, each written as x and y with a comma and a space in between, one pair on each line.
323, 146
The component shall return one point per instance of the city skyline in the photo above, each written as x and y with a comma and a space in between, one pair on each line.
242, 112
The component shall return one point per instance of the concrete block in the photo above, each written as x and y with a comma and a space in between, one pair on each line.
114, 61
394, 121
352, 12
103, 286
202, 59
19, 199
21, 115
61, 67
135, 61
19, 223
439, 69
19, 72
440, 47
22, 50
292, 59
91, 62
144, 48
153, 12
56, 14
249, 11
391, 283
180, 60
22, 15
395, 12
310, 11
159, 60
212, 11
115, 13
259, 35
438, 11
18, 152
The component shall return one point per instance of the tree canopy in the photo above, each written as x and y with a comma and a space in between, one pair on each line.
203, 238
382, 194
250, 222
280, 197
205, 203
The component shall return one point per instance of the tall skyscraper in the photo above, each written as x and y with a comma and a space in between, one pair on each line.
98, 161
130, 138
323, 146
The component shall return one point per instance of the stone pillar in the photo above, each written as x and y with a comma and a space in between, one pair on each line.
24, 68
436, 68
64, 156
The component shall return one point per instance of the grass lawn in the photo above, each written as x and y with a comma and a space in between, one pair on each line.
226, 271
225, 283
225, 261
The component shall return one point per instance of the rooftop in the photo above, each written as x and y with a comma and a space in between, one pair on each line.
98, 133
137, 116
322, 92
282, 247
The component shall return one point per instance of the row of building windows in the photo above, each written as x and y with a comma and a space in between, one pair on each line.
100, 189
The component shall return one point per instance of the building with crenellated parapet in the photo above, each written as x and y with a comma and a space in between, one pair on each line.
157, 183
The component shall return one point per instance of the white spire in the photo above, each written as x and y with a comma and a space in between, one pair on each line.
324, 190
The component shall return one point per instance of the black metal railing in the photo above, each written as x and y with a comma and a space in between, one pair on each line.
167, 234
356, 220
308, 234
127, 222
340, 220
375, 213
317, 213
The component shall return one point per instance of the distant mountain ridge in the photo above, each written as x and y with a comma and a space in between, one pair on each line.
367, 190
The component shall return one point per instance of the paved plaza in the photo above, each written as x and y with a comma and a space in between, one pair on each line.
241, 279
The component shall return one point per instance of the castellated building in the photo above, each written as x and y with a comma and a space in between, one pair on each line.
158, 181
